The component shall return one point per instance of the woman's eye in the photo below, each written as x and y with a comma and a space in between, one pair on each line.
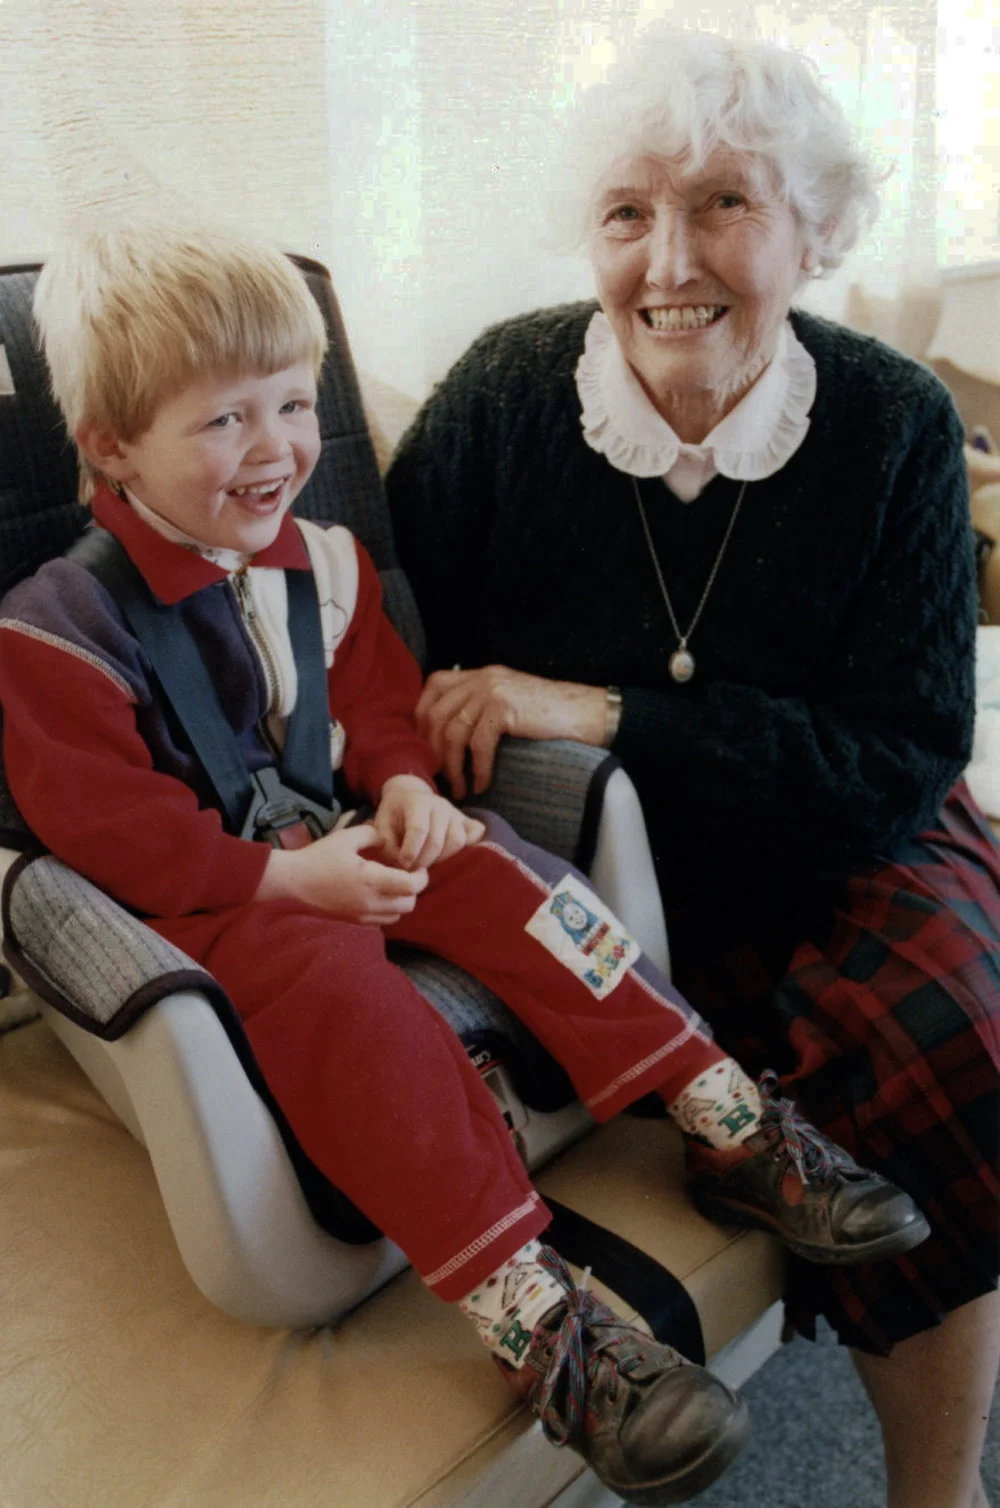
622, 219
729, 201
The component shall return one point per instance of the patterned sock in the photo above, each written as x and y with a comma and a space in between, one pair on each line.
506, 1306
720, 1106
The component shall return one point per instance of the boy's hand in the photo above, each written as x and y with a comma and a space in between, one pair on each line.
417, 827
333, 875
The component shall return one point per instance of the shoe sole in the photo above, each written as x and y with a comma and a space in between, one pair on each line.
893, 1244
682, 1486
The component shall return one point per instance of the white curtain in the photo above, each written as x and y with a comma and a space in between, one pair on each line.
404, 141
213, 104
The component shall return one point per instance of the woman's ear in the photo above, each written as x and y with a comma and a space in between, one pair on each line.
812, 263
105, 451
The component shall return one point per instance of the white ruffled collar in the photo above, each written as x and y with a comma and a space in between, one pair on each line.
754, 440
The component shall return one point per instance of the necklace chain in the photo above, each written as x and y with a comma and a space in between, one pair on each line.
681, 661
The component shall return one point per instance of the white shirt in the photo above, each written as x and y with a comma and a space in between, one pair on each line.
754, 440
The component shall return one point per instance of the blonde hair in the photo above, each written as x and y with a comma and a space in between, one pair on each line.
680, 94
129, 314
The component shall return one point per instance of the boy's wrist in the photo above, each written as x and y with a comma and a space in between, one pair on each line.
276, 881
406, 782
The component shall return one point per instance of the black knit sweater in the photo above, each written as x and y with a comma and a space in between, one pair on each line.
832, 705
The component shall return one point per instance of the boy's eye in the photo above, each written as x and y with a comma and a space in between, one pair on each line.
294, 405
223, 421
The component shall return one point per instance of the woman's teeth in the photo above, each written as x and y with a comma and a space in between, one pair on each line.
690, 317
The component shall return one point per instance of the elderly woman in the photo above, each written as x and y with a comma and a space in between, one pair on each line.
731, 543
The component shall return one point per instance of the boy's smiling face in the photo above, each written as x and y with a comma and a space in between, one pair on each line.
224, 457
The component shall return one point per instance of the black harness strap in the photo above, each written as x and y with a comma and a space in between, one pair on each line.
180, 669
651, 1289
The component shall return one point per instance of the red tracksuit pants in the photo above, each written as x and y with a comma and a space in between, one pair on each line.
377, 1087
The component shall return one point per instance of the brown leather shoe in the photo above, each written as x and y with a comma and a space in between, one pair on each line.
654, 1428
791, 1180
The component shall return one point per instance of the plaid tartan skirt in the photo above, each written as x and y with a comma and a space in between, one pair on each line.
883, 1022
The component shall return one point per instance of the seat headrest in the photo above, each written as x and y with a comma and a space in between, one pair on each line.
39, 514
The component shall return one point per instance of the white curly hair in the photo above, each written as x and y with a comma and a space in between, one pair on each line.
681, 94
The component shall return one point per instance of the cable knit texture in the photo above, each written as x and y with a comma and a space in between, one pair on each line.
831, 709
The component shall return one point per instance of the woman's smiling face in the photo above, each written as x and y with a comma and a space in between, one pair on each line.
696, 274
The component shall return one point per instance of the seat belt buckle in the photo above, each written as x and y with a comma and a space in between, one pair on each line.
282, 817
283, 826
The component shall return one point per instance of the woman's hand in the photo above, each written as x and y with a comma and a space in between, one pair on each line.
417, 827
471, 710
333, 875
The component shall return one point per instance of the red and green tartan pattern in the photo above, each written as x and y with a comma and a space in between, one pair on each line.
884, 1025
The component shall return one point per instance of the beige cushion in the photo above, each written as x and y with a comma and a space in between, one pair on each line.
120, 1385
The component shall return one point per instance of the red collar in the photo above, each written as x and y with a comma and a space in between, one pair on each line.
173, 572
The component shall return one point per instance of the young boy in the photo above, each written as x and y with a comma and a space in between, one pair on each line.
186, 369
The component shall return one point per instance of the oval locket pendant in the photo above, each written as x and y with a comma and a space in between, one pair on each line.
681, 665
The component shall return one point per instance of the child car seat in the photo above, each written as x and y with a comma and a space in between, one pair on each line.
262, 1233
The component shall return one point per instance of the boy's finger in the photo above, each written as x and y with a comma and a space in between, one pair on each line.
454, 838
389, 910
412, 847
394, 882
474, 830
386, 916
359, 838
437, 838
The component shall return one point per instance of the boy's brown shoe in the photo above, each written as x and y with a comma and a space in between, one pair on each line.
791, 1180
654, 1428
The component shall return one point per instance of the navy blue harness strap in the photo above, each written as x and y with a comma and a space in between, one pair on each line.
305, 757
180, 669
651, 1289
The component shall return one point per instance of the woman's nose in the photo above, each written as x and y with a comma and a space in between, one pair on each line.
673, 255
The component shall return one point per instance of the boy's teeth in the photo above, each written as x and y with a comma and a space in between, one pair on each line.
260, 490
690, 317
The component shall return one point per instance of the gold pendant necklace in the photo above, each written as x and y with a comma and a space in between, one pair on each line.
681, 663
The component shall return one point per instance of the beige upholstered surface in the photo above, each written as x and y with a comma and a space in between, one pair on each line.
120, 1387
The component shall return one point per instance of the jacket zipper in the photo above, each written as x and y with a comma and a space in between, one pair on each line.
272, 674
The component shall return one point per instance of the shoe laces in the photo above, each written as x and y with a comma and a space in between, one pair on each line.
817, 1160
575, 1361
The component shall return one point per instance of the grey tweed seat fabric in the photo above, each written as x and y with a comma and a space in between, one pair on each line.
81, 952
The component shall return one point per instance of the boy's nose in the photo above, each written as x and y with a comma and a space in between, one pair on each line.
268, 442
673, 254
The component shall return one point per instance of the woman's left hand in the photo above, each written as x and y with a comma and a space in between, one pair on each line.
471, 710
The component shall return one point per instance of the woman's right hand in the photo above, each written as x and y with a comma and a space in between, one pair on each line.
333, 875
462, 711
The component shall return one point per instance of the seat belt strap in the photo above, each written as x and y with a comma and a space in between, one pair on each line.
188, 687
305, 755
651, 1289
177, 665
